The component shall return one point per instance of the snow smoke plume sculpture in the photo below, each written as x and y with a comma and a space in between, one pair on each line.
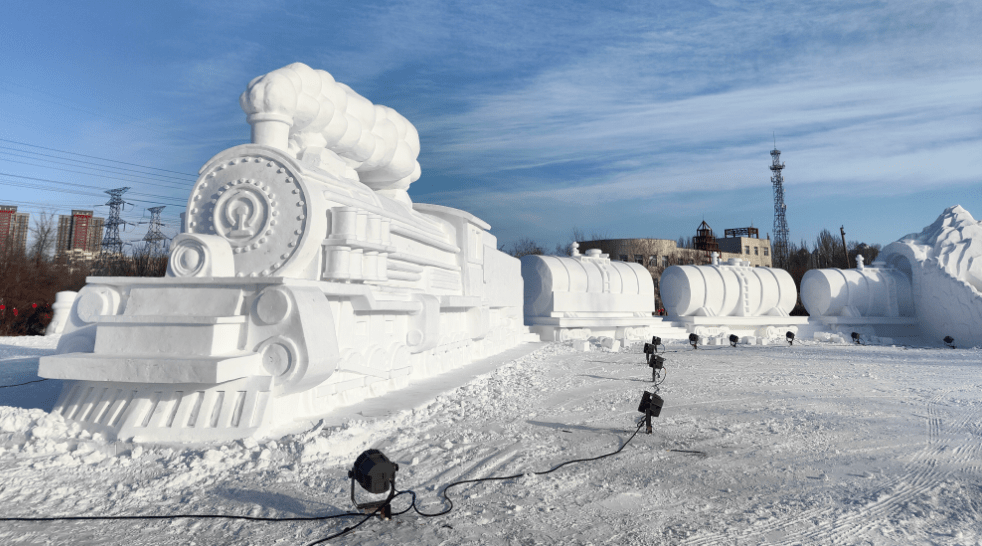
305, 279
578, 297
721, 298
305, 111
930, 280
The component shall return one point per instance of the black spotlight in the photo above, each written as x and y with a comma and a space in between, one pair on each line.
855, 337
656, 363
694, 340
733, 340
650, 406
656, 341
948, 340
375, 473
790, 338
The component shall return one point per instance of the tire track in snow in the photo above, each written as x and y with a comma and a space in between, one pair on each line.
493, 462
922, 474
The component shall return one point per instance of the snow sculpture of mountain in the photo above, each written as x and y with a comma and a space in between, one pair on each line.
944, 263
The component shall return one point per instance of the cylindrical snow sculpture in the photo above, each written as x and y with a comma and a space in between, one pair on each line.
731, 289
60, 311
585, 285
869, 292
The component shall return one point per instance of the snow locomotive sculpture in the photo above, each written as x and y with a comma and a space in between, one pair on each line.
305, 279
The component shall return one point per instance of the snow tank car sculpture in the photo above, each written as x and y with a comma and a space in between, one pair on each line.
720, 298
583, 296
305, 279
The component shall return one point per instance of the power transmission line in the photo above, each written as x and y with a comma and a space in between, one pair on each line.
130, 180
87, 186
86, 163
92, 157
97, 164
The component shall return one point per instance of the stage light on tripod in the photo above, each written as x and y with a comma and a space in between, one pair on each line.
375, 473
855, 337
790, 337
949, 341
650, 406
733, 340
694, 340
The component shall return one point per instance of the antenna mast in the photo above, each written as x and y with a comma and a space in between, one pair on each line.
779, 247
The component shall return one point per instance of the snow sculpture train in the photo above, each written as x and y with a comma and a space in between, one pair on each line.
305, 279
731, 289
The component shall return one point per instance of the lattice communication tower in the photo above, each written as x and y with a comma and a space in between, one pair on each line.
779, 246
154, 236
112, 245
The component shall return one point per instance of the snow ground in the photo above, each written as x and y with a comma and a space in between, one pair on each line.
813, 444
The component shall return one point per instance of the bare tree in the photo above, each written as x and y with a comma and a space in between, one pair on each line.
43, 234
868, 252
828, 251
524, 247
147, 260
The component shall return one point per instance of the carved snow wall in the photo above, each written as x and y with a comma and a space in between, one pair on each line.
305, 279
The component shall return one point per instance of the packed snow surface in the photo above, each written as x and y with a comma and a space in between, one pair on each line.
818, 443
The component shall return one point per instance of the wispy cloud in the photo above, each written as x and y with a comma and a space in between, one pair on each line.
537, 118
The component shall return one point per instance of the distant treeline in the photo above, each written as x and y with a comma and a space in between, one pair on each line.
29, 280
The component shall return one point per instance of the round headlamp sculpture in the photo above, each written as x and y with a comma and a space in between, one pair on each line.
255, 199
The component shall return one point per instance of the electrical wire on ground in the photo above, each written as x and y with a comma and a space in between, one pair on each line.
344, 531
514, 476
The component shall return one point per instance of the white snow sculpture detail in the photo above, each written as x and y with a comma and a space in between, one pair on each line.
861, 292
943, 267
721, 299
306, 111
731, 289
295, 288
60, 310
582, 296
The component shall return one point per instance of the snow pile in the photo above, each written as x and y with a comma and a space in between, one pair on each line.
945, 264
36, 433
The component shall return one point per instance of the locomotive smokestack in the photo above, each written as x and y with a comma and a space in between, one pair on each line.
271, 103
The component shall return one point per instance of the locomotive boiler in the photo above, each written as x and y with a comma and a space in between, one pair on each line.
305, 279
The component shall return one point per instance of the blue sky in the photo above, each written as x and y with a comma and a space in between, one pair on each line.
622, 119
